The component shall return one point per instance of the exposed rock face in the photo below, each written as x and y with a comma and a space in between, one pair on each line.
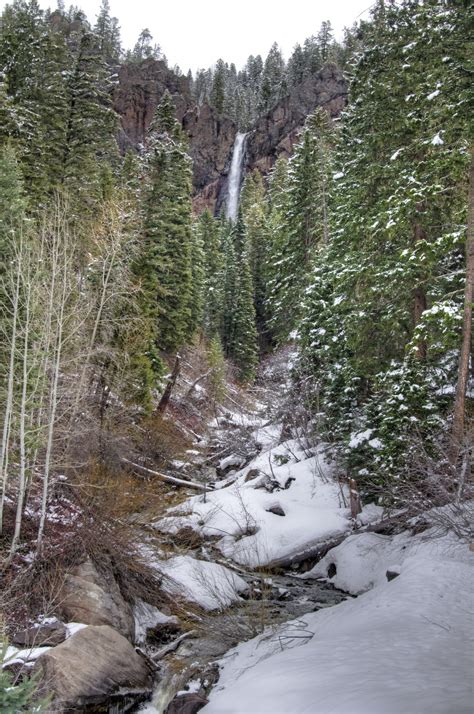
139, 90
89, 597
275, 133
212, 137
96, 666
211, 142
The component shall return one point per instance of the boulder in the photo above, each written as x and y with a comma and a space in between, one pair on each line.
186, 704
277, 510
96, 666
49, 634
88, 596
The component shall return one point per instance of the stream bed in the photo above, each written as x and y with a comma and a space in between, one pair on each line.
271, 601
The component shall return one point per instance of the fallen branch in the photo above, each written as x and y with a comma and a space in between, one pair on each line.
172, 646
166, 478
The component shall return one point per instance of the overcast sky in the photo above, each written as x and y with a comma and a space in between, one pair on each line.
195, 33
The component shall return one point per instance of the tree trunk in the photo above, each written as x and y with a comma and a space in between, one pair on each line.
161, 408
419, 296
463, 374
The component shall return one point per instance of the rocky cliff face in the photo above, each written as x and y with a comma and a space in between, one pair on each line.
276, 132
140, 88
212, 137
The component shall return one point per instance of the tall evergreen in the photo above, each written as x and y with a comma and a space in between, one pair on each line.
165, 265
208, 231
304, 226
384, 308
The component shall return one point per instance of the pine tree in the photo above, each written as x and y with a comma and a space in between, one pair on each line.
229, 282
208, 231
253, 207
144, 48
305, 223
273, 83
108, 32
218, 91
384, 309
244, 340
165, 266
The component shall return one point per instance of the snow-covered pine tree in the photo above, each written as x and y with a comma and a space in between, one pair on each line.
207, 228
165, 264
304, 222
384, 310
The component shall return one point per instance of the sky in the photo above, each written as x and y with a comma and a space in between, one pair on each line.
195, 33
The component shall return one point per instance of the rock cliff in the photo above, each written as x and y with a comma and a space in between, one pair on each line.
211, 136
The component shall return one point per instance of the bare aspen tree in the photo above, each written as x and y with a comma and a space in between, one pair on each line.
7, 416
27, 290
62, 268
463, 374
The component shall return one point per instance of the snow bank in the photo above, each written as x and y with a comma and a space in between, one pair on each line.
239, 513
405, 646
147, 617
362, 561
210, 585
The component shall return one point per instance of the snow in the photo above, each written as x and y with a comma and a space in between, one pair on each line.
299, 482
434, 94
209, 585
233, 460
359, 438
403, 646
73, 627
437, 140
14, 655
147, 617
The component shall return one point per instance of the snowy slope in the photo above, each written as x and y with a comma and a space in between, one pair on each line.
239, 513
404, 647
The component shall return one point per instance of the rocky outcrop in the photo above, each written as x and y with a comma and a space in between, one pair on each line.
50, 634
186, 704
93, 670
276, 132
139, 90
211, 142
212, 137
94, 599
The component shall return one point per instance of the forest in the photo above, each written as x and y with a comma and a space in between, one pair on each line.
297, 339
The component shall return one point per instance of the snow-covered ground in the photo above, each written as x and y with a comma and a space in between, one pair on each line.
210, 585
403, 647
311, 506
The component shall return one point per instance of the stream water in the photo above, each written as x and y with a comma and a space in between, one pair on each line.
272, 600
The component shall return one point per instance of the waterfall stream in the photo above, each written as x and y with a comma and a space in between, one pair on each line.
235, 177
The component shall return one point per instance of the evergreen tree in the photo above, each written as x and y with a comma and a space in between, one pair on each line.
108, 32
253, 207
273, 85
244, 340
165, 265
218, 93
384, 309
305, 227
144, 48
229, 282
208, 230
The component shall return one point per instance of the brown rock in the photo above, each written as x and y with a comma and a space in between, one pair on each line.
95, 666
277, 510
186, 704
91, 598
50, 635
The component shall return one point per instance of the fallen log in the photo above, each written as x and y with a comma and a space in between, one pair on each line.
172, 646
168, 479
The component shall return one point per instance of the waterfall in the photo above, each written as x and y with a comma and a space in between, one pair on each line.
235, 175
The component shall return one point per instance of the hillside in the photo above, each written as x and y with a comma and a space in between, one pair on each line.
236, 369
